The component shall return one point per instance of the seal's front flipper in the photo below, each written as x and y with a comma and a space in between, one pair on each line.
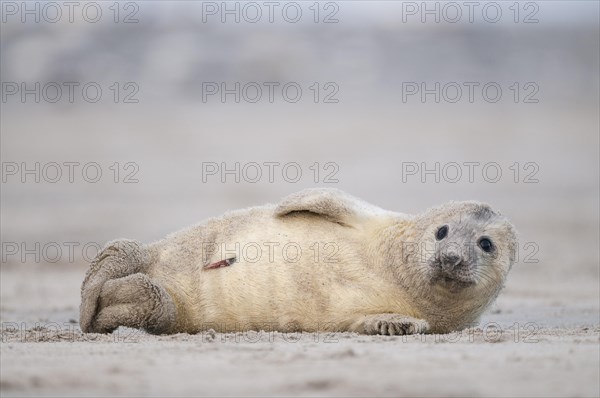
390, 324
332, 204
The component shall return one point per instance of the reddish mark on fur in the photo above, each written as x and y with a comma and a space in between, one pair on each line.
220, 264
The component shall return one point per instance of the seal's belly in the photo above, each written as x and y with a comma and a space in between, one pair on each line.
279, 275
291, 285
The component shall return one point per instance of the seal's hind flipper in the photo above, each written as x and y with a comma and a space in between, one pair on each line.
135, 301
118, 259
332, 204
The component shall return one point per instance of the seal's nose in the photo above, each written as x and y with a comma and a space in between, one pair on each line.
451, 259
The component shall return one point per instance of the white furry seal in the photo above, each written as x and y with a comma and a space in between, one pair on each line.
320, 260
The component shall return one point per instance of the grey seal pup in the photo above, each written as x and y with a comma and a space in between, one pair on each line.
320, 260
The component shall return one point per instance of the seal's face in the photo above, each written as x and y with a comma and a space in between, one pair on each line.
466, 246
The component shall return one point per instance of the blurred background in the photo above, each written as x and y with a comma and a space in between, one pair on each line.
156, 125
393, 102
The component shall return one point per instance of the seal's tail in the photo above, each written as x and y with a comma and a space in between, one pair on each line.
119, 258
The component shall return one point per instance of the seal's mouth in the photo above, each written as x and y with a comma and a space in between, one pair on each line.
456, 275
456, 281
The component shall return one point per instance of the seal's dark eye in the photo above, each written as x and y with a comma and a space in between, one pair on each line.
442, 232
486, 245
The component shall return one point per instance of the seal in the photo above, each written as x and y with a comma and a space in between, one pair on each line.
320, 260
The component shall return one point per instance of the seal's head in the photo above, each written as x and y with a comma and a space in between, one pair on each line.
462, 247
453, 263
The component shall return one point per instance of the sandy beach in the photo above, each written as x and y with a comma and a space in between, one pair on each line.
76, 174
